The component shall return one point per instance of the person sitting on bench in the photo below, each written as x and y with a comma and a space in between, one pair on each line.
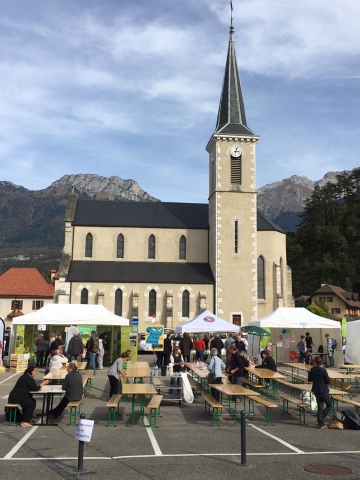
73, 387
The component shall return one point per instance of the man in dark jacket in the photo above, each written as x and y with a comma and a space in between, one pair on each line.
217, 343
268, 361
75, 347
240, 345
186, 346
167, 349
320, 388
237, 368
73, 387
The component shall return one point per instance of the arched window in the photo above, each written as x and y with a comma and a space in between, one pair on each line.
261, 277
152, 303
151, 249
185, 304
182, 248
84, 296
118, 302
120, 246
88, 245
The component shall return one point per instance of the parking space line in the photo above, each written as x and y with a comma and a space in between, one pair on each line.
8, 378
20, 444
297, 450
153, 440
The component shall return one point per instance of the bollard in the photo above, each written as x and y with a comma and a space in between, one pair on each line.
81, 451
243, 438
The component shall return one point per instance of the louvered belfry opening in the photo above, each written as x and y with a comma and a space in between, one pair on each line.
236, 170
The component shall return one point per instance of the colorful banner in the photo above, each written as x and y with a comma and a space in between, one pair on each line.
129, 342
19, 339
155, 336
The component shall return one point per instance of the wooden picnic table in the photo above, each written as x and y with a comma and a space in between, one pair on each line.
48, 392
350, 368
138, 372
266, 374
233, 391
140, 389
201, 373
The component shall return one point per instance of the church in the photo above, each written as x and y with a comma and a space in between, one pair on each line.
169, 262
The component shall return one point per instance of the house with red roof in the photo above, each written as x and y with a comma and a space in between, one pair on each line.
339, 301
23, 290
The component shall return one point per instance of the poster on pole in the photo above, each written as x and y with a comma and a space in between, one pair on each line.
155, 337
84, 430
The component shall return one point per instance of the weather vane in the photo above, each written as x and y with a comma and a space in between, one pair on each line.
231, 18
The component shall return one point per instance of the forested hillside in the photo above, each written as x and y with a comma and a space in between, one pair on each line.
326, 246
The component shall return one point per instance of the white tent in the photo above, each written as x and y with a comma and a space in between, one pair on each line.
352, 349
288, 324
71, 314
207, 322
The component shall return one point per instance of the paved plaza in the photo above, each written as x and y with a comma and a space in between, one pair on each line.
183, 446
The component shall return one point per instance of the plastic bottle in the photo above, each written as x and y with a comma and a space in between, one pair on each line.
167, 370
156, 371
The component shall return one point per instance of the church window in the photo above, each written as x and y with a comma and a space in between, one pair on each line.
185, 304
88, 245
236, 170
261, 277
236, 236
84, 296
151, 249
152, 303
120, 246
182, 248
118, 302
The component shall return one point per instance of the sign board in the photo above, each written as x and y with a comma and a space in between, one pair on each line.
84, 430
134, 321
155, 337
41, 328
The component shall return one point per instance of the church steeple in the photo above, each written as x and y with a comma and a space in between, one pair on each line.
231, 116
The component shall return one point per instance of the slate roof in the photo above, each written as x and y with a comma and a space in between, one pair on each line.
25, 282
340, 292
231, 118
148, 272
107, 213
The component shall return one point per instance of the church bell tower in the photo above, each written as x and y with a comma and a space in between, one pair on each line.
232, 202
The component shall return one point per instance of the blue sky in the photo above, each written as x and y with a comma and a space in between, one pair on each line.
131, 88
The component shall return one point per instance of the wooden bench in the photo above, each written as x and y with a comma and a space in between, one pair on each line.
215, 405
269, 408
340, 398
84, 382
299, 403
253, 385
113, 406
295, 378
75, 408
13, 412
341, 385
89, 376
154, 406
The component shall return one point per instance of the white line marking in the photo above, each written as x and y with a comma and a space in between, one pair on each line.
8, 378
20, 444
257, 454
153, 440
297, 450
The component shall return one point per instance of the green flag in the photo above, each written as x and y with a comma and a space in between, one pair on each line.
343, 327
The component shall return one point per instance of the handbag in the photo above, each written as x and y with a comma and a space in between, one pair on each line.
211, 376
335, 424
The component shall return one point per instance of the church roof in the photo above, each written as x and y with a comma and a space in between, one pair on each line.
148, 272
231, 116
107, 213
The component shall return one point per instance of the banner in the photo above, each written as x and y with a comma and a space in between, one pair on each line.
155, 337
343, 327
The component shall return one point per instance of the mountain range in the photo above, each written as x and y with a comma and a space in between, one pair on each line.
32, 227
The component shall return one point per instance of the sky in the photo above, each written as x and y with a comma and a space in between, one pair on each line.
131, 89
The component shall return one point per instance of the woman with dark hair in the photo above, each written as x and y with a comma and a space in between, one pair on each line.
21, 394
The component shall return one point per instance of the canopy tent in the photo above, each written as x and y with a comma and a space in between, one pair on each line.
352, 349
295, 318
71, 314
207, 322
288, 324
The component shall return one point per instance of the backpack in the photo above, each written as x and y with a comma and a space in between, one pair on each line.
96, 347
351, 420
333, 343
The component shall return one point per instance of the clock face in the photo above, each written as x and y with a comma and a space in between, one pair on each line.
235, 151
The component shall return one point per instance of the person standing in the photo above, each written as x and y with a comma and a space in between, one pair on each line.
57, 342
114, 372
217, 343
237, 368
74, 390
92, 346
185, 346
330, 349
229, 341
49, 348
75, 347
240, 345
216, 366
167, 349
40, 346
200, 348
301, 346
21, 394
320, 388
309, 342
